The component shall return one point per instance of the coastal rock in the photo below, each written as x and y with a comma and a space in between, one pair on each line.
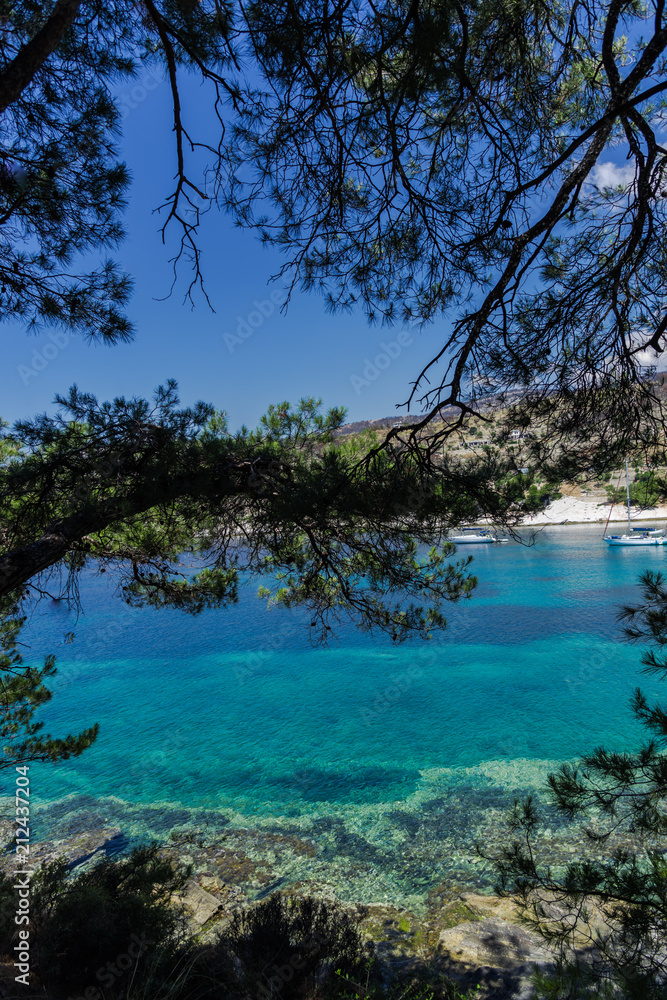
202, 904
493, 942
7, 833
76, 850
497, 954
592, 922
461, 941
497, 907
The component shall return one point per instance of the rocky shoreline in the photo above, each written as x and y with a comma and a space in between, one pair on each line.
472, 938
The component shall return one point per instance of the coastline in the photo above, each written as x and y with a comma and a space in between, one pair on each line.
571, 510
449, 927
390, 853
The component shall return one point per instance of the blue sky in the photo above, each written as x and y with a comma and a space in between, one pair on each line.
305, 352
283, 356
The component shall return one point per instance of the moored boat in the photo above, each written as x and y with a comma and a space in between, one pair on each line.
635, 539
475, 536
635, 536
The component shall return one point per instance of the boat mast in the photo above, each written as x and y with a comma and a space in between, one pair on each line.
627, 489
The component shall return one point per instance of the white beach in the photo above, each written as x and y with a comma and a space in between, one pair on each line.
571, 510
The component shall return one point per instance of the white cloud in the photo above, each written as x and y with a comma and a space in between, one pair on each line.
650, 357
610, 175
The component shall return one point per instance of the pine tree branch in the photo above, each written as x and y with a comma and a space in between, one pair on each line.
32, 56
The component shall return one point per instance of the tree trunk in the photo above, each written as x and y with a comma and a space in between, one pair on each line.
32, 56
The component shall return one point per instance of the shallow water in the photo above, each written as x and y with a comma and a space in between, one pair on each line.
388, 761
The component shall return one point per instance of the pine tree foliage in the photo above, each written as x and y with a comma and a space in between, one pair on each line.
23, 691
179, 508
498, 164
62, 184
606, 913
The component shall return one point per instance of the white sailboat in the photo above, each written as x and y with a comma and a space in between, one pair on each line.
635, 536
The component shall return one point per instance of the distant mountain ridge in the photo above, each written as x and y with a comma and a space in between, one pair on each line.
361, 425
408, 419
494, 401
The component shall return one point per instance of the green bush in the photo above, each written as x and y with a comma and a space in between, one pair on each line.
91, 932
538, 497
283, 949
645, 491
8, 927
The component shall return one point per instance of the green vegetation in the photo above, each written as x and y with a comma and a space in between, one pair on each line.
96, 929
113, 931
22, 691
646, 490
539, 497
288, 948
530, 495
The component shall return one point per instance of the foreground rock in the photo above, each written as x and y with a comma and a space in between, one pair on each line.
472, 939
201, 905
498, 955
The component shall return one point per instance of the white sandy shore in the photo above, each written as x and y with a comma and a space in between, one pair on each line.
569, 510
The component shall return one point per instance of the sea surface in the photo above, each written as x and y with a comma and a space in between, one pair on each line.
387, 762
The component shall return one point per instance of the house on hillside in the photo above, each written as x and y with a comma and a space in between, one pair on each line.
520, 434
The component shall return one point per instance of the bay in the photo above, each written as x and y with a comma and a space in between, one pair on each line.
390, 760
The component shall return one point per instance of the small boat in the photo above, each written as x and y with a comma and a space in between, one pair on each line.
475, 536
635, 539
635, 536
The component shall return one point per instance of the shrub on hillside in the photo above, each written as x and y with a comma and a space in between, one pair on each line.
645, 491
91, 931
283, 949
8, 926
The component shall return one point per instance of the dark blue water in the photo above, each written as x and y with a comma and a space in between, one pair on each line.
233, 711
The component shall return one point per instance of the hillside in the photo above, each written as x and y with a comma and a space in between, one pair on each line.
588, 498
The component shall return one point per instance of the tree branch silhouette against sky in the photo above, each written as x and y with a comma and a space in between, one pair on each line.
428, 163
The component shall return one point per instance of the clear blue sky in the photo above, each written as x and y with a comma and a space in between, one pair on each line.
305, 352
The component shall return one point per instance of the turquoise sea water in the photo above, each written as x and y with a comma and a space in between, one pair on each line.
388, 760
